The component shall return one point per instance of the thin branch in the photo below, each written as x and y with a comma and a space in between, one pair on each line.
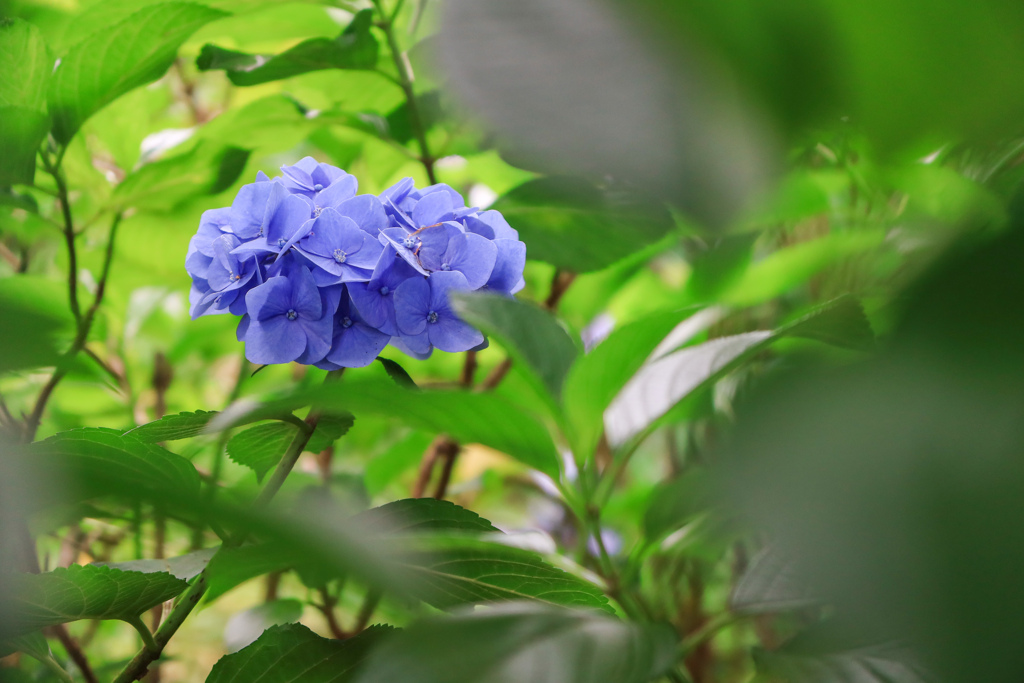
370, 603
405, 78
332, 619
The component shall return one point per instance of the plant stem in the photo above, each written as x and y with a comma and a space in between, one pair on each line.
706, 632
136, 668
69, 234
405, 79
82, 335
147, 637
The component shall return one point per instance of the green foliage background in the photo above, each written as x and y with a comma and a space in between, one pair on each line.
754, 417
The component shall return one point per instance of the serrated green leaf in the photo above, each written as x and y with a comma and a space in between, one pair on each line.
173, 427
574, 225
530, 334
101, 462
134, 51
260, 448
355, 48
329, 429
840, 322
245, 627
162, 185
36, 601
183, 567
413, 515
453, 572
294, 654
523, 642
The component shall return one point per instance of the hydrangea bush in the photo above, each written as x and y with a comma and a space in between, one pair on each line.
324, 276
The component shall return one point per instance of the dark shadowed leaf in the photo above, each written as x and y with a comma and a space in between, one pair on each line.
184, 567
134, 51
90, 592
531, 335
523, 642
572, 224
677, 502
771, 584
163, 185
32, 644
355, 48
413, 515
294, 654
260, 448
397, 373
329, 429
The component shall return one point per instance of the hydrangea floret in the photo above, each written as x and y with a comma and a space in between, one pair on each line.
325, 276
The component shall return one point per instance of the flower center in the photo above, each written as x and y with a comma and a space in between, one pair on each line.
291, 314
318, 187
346, 322
384, 290
445, 266
432, 317
409, 242
317, 210
281, 242
340, 256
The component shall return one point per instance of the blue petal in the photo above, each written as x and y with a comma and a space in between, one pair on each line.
249, 207
412, 304
493, 222
275, 340
434, 243
357, 346
433, 209
441, 283
305, 296
508, 268
417, 346
287, 222
453, 335
337, 192
269, 300
473, 256
367, 211
395, 237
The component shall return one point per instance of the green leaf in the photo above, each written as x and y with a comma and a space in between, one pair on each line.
99, 462
355, 48
523, 642
36, 601
677, 502
184, 567
329, 429
530, 334
233, 566
25, 67
468, 417
397, 373
453, 572
245, 627
173, 427
260, 448
574, 225
661, 384
595, 379
294, 654
413, 515
163, 185
33, 644
109, 63
34, 341
771, 584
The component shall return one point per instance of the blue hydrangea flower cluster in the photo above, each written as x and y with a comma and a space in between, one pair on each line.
324, 276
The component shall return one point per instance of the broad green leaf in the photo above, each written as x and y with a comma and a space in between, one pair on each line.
355, 48
173, 427
134, 51
162, 185
664, 382
101, 462
523, 642
574, 225
184, 567
33, 341
531, 335
294, 654
329, 429
84, 592
25, 68
260, 448
468, 417
453, 572
595, 379
771, 584
413, 515
33, 644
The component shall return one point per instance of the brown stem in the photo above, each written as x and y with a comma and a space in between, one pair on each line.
449, 453
468, 369
370, 603
332, 619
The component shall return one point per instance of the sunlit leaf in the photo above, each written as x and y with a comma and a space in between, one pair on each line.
25, 67
173, 427
184, 567
329, 428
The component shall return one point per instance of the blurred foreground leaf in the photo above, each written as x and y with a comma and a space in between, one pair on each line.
523, 642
